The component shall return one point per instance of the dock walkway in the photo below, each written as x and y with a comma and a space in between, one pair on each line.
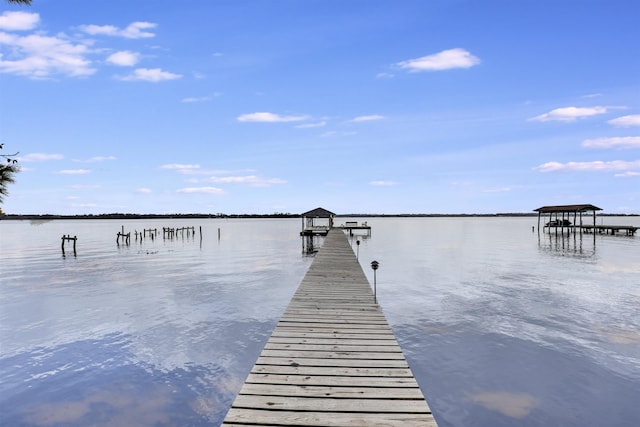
332, 359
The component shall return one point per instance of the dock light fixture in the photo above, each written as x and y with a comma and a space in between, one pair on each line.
374, 266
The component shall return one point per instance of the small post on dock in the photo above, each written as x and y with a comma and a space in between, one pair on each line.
374, 265
357, 249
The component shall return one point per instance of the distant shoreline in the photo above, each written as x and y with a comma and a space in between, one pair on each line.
122, 216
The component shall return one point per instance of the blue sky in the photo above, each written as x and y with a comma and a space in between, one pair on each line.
443, 106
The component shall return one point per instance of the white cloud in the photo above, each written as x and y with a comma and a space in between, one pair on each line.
264, 117
569, 114
627, 174
124, 58
150, 75
144, 190
385, 76
445, 60
200, 99
19, 21
626, 121
40, 157
333, 133
312, 125
101, 159
614, 142
366, 118
383, 183
249, 179
181, 168
38, 56
135, 30
74, 171
595, 166
201, 190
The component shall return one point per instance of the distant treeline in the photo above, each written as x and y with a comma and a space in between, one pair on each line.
274, 215
146, 216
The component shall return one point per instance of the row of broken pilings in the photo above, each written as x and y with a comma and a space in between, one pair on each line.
168, 233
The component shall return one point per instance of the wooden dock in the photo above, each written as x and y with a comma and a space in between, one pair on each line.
332, 359
629, 230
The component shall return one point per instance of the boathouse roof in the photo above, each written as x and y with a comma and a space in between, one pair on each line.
568, 208
318, 213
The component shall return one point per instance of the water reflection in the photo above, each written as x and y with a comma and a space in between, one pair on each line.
103, 383
575, 245
510, 404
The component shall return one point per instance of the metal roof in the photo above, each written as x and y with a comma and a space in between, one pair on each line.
319, 213
567, 208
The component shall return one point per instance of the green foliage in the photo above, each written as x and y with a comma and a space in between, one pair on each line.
7, 171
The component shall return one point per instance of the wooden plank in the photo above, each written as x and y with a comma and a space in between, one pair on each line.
332, 341
333, 348
256, 417
284, 333
321, 404
301, 354
302, 380
333, 371
351, 362
333, 391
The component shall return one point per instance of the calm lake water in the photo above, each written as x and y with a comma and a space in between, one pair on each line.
500, 326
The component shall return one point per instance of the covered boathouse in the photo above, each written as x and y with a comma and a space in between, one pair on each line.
565, 212
317, 221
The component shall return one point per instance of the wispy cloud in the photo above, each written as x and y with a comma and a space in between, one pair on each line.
252, 180
383, 183
265, 117
40, 157
181, 167
370, 118
595, 166
19, 21
445, 60
144, 190
312, 125
201, 190
569, 114
97, 159
153, 75
627, 174
74, 171
614, 142
626, 121
135, 30
333, 133
200, 98
124, 58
